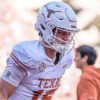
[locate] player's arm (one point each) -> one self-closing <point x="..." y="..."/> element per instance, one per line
<point x="13" y="74"/>
<point x="6" y="89"/>
<point x="10" y="79"/>
<point x="86" y="90"/>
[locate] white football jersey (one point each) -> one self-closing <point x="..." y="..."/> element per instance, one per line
<point x="33" y="73"/>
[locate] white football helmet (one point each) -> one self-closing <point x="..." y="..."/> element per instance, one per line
<point x="60" y="16"/>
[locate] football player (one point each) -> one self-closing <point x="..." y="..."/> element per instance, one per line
<point x="34" y="68"/>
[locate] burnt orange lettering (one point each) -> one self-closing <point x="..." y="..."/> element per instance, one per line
<point x="41" y="80"/>
<point x="46" y="83"/>
<point x="52" y="83"/>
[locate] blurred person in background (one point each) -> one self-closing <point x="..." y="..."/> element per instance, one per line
<point x="34" y="68"/>
<point x="89" y="85"/>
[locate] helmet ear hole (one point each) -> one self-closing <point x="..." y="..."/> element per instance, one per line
<point x="40" y="34"/>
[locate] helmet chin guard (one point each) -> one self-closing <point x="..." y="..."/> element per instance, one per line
<point x="60" y="16"/>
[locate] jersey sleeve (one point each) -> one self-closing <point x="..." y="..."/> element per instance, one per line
<point x="15" y="69"/>
<point x="19" y="55"/>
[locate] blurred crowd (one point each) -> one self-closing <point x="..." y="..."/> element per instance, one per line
<point x="15" y="26"/>
<point x="17" y="19"/>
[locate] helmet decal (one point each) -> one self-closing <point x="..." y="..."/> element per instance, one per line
<point x="50" y="11"/>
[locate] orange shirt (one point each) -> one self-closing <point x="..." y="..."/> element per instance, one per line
<point x="89" y="85"/>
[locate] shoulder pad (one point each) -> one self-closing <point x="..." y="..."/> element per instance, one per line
<point x="19" y="54"/>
